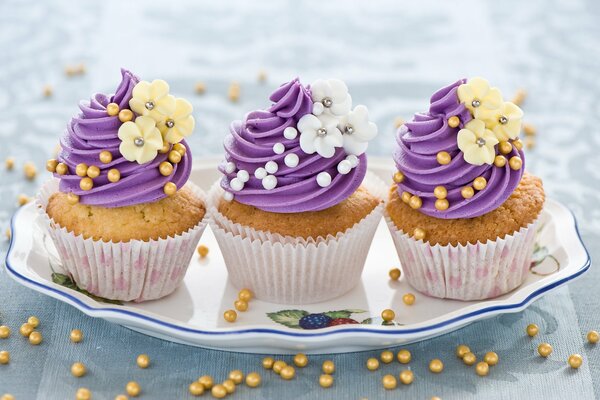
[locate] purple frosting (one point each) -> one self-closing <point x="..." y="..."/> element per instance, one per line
<point x="249" y="145"/>
<point x="418" y="143"/>
<point x="93" y="131"/>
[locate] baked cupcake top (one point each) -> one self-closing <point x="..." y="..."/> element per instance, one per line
<point x="463" y="157"/>
<point x="127" y="148"/>
<point x="306" y="152"/>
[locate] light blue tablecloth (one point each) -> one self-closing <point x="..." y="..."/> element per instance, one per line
<point x="393" y="56"/>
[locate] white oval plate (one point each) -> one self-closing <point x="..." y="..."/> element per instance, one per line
<point x="194" y="313"/>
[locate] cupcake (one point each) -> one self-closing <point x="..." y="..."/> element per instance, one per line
<point x="293" y="214"/>
<point x="119" y="211"/>
<point x="462" y="209"/>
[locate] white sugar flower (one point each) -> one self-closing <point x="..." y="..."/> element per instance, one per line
<point x="179" y="124"/>
<point x="319" y="134"/>
<point x="333" y="95"/>
<point x="152" y="99"/>
<point x="477" y="143"/>
<point x="505" y="121"/>
<point x="357" y="130"/>
<point x="140" y="140"/>
<point x="479" y="97"/>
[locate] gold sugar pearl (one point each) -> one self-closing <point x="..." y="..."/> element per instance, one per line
<point x="112" y="109"/>
<point x="288" y="372"/>
<point x="326" y="381"/>
<point x="236" y="376"/>
<point x="394" y="274"/>
<point x="7" y="396"/>
<point x="407" y="377"/>
<point x="545" y="349"/>
<point x="121" y="397"/>
<point x="372" y="364"/>
<point x="443" y="158"/>
<point x="386" y="357"/>
<point x="165" y="168"/>
<point x="435" y="398"/>
<point x="51" y="165"/>
<point x="76" y="336"/>
<point x="491" y="358"/>
<point x="409" y="299"/>
<point x="328" y="366"/>
<point x="105" y="157"/>
<point x="300" y="360"/>
<point x="504" y="147"/>
<point x="388" y="315"/>
<point x="229" y="385"/>
<point x="419" y="234"/>
<point x="440" y="192"/>
<point x="30" y="170"/>
<point x="278" y="366"/>
<point x="529" y="142"/>
<point x="83" y="394"/>
<point x="4" y="357"/>
<point x="405" y="197"/>
<point x="500" y="161"/>
<point x="479" y="183"/>
<point x="200" y="88"/>
<point x="253" y="379"/>
<point x="7" y="233"/>
<point x="23" y="199"/>
<point x="240" y="305"/>
<point x="4" y="332"/>
<point x="35" y="338"/>
<point x="230" y="315"/>
<point x="218" y="391"/>
<point x="467" y="192"/>
<point x="461" y="350"/>
<point x="398" y="177"/>
<point x="532" y="330"/>
<point x="125" y="115"/>
<point x="515" y="163"/>
<point x="442" y="204"/>
<point x="519" y="97"/>
<point x="592" y="336"/>
<point x="62" y="169"/>
<point x="262" y="75"/>
<point x="482" y="368"/>
<point x="170" y="188"/>
<point x="133" y="389"/>
<point x="81" y="170"/>
<point x="404" y="356"/>
<point x="9" y="163"/>
<point x="143" y="361"/>
<point x="166" y="147"/>
<point x="529" y="130"/>
<point x="47" y="90"/>
<point x="389" y="382"/>
<point x="196" y="389"/>
<point x="234" y="92"/>
<point x="202" y="250"/>
<point x="415" y="202"/>
<point x="26" y="329"/>
<point x="72" y="198"/>
<point x="575" y="361"/>
<point x="245" y="294"/>
<point x="93" y="171"/>
<point x="86" y="183"/>
<point x="398" y="122"/>
<point x="469" y="358"/>
<point x="174" y="157"/>
<point x="267" y="362"/>
<point x="436" y="366"/>
<point x="180" y="148"/>
<point x="78" y="370"/>
<point x="114" y="175"/>
<point x="206" y="381"/>
<point x="453" y="121"/>
<point x="518" y="144"/>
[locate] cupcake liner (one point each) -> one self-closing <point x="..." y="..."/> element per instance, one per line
<point x="128" y="271"/>
<point x="290" y="270"/>
<point x="465" y="272"/>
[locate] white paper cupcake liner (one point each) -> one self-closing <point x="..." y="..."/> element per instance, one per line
<point x="289" y="270"/>
<point x="128" y="271"/>
<point x="465" y="272"/>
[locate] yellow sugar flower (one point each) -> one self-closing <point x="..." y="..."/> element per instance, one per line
<point x="477" y="143"/>
<point x="505" y="121"/>
<point x="140" y="140"/>
<point x="479" y="97"/>
<point x="178" y="124"/>
<point x="152" y="99"/>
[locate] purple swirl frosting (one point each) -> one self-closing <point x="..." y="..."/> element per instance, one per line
<point x="418" y="143"/>
<point x="93" y="131"/>
<point x="250" y="149"/>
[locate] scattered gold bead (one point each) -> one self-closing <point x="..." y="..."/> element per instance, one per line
<point x="133" y="389"/>
<point x="202" y="250"/>
<point x="467" y="192"/>
<point x="479" y="183"/>
<point x="114" y="175"/>
<point x="482" y="368"/>
<point x="389" y="382"/>
<point x="575" y="360"/>
<point x="325" y="381"/>
<point x="419" y="234"/>
<point x="300" y="360"/>
<point x="180" y="148"/>
<point x="4" y="332"/>
<point x="440" y="192"/>
<point x="112" y="109"/>
<point x="288" y="372"/>
<point x="593" y="337"/>
<point x="7" y="233"/>
<point x="78" y="369"/>
<point x="469" y="358"/>
<point x="240" y="305"/>
<point x="200" y="88"/>
<point x="407" y="377"/>
<point x="398" y="122"/>
<point x="267" y="362"/>
<point x="278" y="366"/>
<point x="83" y="394"/>
<point x="461" y="350"/>
<point x="196" y="389"/>
<point x="143" y="361"/>
<point x="234" y="92"/>
<point x="398" y="177"/>
<point x="93" y="171"/>
<point x="51" y="165"/>
<point x="262" y="75"/>
<point x="328" y="366"/>
<point x="388" y="315"/>
<point x="229" y="385"/>
<point x="415" y="202"/>
<point x="23" y="199"/>
<point x="86" y="183"/>
<point x="442" y="204"/>
<point x="76" y="336"/>
<point x="4" y="357"/>
<point x="372" y="364"/>
<point x="453" y="121"/>
<point x="519" y="97"/>
<point x="386" y="357"/>
<point x="517" y="144"/>
<point x="166" y="147"/>
<point x="26" y="329"/>
<point x="529" y="130"/>
<point x="170" y="188"/>
<point x="394" y="274"/>
<point x="230" y="315"/>
<point x="436" y="398"/>
<point x="7" y="396"/>
<point x="504" y="147"/>
<point x="532" y="330"/>
<point x="9" y="163"/>
<point x="443" y="158"/>
<point x="218" y="391"/>
<point x="515" y="163"/>
<point x="236" y="376"/>
<point x="409" y="299"/>
<point x="206" y="381"/>
<point x="544" y="349"/>
<point x="436" y="366"/>
<point x="500" y="161"/>
<point x="253" y="379"/>
<point x="30" y="170"/>
<point x="174" y="157"/>
<point x="35" y="338"/>
<point x="62" y="169"/>
<point x="491" y="358"/>
<point x="47" y="90"/>
<point x="125" y="115"/>
<point x="529" y="142"/>
<point x="121" y="397"/>
<point x="245" y="294"/>
<point x="105" y="157"/>
<point x="405" y="197"/>
<point x="165" y="168"/>
<point x="81" y="170"/>
<point x="404" y="356"/>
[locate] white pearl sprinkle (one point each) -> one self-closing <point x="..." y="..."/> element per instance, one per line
<point x="260" y="173"/>
<point x="291" y="160"/>
<point x="324" y="179"/>
<point x="278" y="148"/>
<point x="243" y="175"/>
<point x="318" y="108"/>
<point x="271" y="167"/>
<point x="344" y="167"/>
<point x="269" y="182"/>
<point x="290" y="133"/>
<point x="353" y="160"/>
<point x="236" y="184"/>
<point x="228" y="196"/>
<point x="229" y="167"/>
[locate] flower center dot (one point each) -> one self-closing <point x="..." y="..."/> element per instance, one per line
<point x="327" y="102"/>
<point x="138" y="141"/>
<point x="170" y="123"/>
<point x="475" y="103"/>
<point x="503" y="120"/>
<point x="149" y="105"/>
<point x="480" y="142"/>
<point x="349" y="129"/>
<point x="321" y="132"/>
